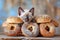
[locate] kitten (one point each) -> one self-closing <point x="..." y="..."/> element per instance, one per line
<point x="26" y="15"/>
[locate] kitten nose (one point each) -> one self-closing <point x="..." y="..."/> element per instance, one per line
<point x="27" y="18"/>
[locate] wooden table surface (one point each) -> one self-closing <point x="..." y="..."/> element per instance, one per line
<point x="21" y="37"/>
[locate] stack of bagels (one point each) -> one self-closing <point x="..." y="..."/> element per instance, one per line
<point x="12" y="26"/>
<point x="44" y="26"/>
<point x="41" y="25"/>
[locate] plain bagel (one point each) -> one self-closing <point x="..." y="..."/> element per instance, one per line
<point x="14" y="20"/>
<point x="43" y="19"/>
<point x="30" y="29"/>
<point x="12" y="30"/>
<point x="47" y="30"/>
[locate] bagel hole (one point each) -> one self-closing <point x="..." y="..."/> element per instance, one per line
<point x="30" y="28"/>
<point x="47" y="28"/>
<point x="12" y="27"/>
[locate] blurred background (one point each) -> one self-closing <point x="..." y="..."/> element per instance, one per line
<point x="10" y="8"/>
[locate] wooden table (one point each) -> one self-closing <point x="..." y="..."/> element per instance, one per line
<point x="4" y="37"/>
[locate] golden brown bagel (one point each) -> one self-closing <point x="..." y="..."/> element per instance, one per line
<point x="43" y="19"/>
<point x="12" y="30"/>
<point x="47" y="30"/>
<point x="14" y="20"/>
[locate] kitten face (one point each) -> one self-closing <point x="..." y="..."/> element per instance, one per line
<point x="26" y="15"/>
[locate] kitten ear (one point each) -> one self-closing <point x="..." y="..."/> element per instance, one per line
<point x="19" y="11"/>
<point x="32" y="11"/>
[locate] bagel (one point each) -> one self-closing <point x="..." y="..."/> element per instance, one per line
<point x="43" y="19"/>
<point x="12" y="30"/>
<point x="47" y="30"/>
<point x="55" y="23"/>
<point x="30" y="29"/>
<point x="14" y="20"/>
